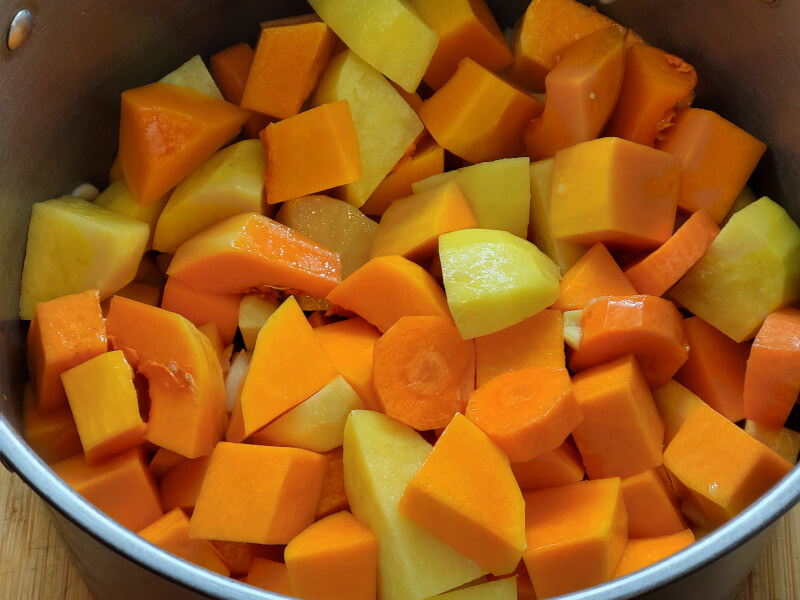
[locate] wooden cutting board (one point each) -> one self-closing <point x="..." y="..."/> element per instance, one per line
<point x="34" y="563"/>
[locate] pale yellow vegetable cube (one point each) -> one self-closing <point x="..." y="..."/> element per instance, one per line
<point x="254" y="310"/>
<point x="501" y="589"/>
<point x="118" y="198"/>
<point x="195" y="75"/>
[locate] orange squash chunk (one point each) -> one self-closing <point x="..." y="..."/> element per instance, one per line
<point x="287" y="367"/>
<point x="239" y="557"/>
<point x="478" y="116"/>
<point x="251" y="251"/>
<point x="715" y="369"/>
<point x="642" y="553"/>
<point x="561" y="466"/>
<point x="64" y="332"/>
<point x="457" y="494"/>
<point x="171" y="532"/>
<point x="576" y="535"/>
<point x="613" y="191"/>
<point x="258" y="494"/>
<point x="167" y="131"/>
<point x="621" y="433"/>
<point x="121" y="487"/>
<point x="349" y="345"/>
<point x="202" y="307"/>
<point x="595" y="274"/>
<point x="163" y="460"/>
<point x="52" y="435"/>
<point x="311" y="152"/>
<point x="653" y="508"/>
<point x="334" y="559"/>
<point x="333" y="497"/>
<point x="535" y="342"/>
<point x="187" y="393"/>
<point x="699" y="456"/>
<point x="649" y="327"/>
<point x="388" y="288"/>
<point x="269" y="575"/>
<point x="582" y="90"/>
<point x="180" y="486"/>
<point x="674" y="403"/>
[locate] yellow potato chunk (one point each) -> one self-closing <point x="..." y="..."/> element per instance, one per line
<point x="254" y="311"/>
<point x="118" y="198"/>
<point x="194" y="74"/>
<point x="501" y="589"/>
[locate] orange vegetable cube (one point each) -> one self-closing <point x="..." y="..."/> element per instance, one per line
<point x="478" y="116"/>
<point x="466" y="28"/>
<point x="334" y="559"/>
<point x="258" y="494"/>
<point x="105" y="406"/>
<point x="288" y="61"/>
<point x="333" y="498"/>
<point x="411" y="226"/>
<point x="167" y="131"/>
<point x="121" y="487"/>
<point x="311" y="152"/>
<point x="163" y="460"/>
<point x="269" y="575"/>
<point x="171" y="532"/>
<point x="287" y="367"/>
<point x="180" y="486"/>
<point x="202" y="307"/>
<point x="538" y="341"/>
<point x="239" y="557"/>
<point x="715" y="369"/>
<point x="595" y="274"/>
<point x="64" y="332"/>
<point x="785" y="442"/>
<point x="561" y="466"/>
<point x="622" y="433"/>
<point x="576" y="535"/>
<point x="699" y="456"/>
<point x="653" y="508"/>
<point x="642" y="553"/>
<point x="456" y="495"/>
<point x="649" y="327"/>
<point x="674" y="403"/>
<point x="772" y="380"/>
<point x="251" y="251"/>
<point x="613" y="191"/>
<point x="717" y="159"/>
<point x="52" y="435"/>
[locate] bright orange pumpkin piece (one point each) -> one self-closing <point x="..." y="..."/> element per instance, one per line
<point x="641" y="553"/>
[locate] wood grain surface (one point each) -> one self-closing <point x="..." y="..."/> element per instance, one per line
<point x="34" y="564"/>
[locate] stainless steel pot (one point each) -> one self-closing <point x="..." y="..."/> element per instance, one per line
<point x="59" y="96"/>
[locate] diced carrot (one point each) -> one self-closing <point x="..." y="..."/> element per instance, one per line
<point x="715" y="369"/>
<point x="388" y="288"/>
<point x="576" y="535"/>
<point x="456" y="494"/>
<point x="187" y="393"/>
<point x="423" y="371"/>
<point x="786" y="442"/>
<point x="283" y="374"/>
<point x="171" y="532"/>
<point x="64" y="332"/>
<point x="121" y="487"/>
<point x="202" y="307"/>
<point x="478" y="116"/>
<point x="105" y="406"/>
<point x="699" y="456"/>
<point x="561" y="466"/>
<point x="526" y="412"/>
<point x="717" y="159"/>
<point x="230" y="68"/>
<point x="251" y="251"/>
<point x="595" y="274"/>
<point x="613" y="191"/>
<point x="648" y="327"/>
<point x="535" y="342"/>
<point x="411" y="226"/>
<point x="333" y="498"/>
<point x="772" y="380"/>
<point x="622" y="433"/>
<point x="654" y="85"/>
<point x="258" y="494"/>
<point x="582" y="90"/>
<point x="288" y="60"/>
<point x="427" y="160"/>
<point x="465" y="28"/>
<point x="349" y="345"/>
<point x="180" y="486"/>
<point x="311" y="152"/>
<point x="269" y="575"/>
<point x="674" y="403"/>
<point x="167" y="131"/>
<point x="53" y="434"/>
<point x="163" y="460"/>
<point x="334" y="559"/>
<point x="653" y="508"/>
<point x="661" y="269"/>
<point x="641" y="553"/>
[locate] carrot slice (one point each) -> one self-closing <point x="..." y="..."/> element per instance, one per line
<point x="526" y="412"/>
<point x="252" y="251"/>
<point x="661" y="269"/>
<point x="423" y="371"/>
<point x="642" y="553"/>
<point x="653" y="508"/>
<point x="558" y="467"/>
<point x="230" y="68"/>
<point x="595" y="274"/>
<point x="203" y="307"/>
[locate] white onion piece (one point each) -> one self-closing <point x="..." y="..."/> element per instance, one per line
<point x="235" y="379"/>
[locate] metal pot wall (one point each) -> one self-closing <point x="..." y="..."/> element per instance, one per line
<point x="59" y="97"/>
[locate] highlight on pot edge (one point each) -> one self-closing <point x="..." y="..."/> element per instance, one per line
<point x="395" y="305"/>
